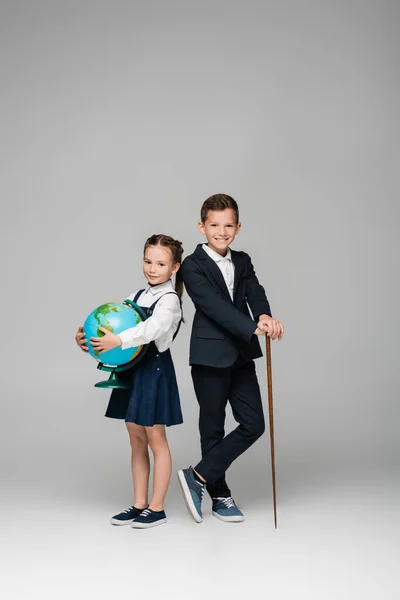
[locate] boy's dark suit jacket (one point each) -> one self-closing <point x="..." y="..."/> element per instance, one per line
<point x="223" y="330"/>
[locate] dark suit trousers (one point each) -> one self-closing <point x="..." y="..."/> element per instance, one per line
<point x="214" y="387"/>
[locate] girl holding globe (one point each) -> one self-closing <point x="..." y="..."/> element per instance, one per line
<point x="152" y="402"/>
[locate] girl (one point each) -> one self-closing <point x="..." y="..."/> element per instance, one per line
<point x="153" y="400"/>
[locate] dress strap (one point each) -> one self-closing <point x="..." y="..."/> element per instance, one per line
<point x="177" y="330"/>
<point x="151" y="309"/>
<point x="137" y="295"/>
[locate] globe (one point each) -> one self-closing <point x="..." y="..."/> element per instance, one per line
<point x="115" y="317"/>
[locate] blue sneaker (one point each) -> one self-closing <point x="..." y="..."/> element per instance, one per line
<point x="226" y="510"/>
<point x="193" y="492"/>
<point x="149" y="518"/>
<point x="126" y="516"/>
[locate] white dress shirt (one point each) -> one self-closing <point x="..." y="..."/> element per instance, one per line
<point x="161" y="325"/>
<point x="225" y="265"/>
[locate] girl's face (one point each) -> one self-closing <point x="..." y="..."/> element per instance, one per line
<point x="158" y="265"/>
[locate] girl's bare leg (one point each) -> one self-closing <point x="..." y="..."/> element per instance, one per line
<point x="140" y="464"/>
<point x="162" y="465"/>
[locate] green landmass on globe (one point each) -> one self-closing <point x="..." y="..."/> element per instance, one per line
<point x="115" y="317"/>
<point x="101" y="313"/>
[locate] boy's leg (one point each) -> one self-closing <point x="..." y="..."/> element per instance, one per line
<point x="211" y="386"/>
<point x="245" y="399"/>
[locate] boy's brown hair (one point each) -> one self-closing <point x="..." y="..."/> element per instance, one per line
<point x="219" y="202"/>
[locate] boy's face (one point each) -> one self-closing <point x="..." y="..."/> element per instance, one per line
<point x="220" y="229"/>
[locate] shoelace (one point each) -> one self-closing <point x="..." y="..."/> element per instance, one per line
<point x="128" y="509"/>
<point x="229" y="502"/>
<point x="145" y="513"/>
<point x="202" y="489"/>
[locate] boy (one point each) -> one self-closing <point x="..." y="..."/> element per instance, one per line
<point x="221" y="283"/>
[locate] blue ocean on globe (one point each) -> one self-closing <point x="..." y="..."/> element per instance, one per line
<point x="115" y="317"/>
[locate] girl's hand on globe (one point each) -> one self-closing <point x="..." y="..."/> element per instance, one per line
<point x="107" y="342"/>
<point x="80" y="339"/>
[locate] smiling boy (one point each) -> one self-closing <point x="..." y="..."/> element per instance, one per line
<point x="222" y="285"/>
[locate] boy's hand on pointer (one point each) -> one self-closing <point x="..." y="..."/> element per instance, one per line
<point x="271" y="327"/>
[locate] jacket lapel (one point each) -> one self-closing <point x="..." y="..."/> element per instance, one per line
<point x="211" y="269"/>
<point x="239" y="264"/>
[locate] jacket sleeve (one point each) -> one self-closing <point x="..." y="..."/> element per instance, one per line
<point x="213" y="305"/>
<point x="255" y="293"/>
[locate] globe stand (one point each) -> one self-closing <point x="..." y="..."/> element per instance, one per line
<point x="113" y="381"/>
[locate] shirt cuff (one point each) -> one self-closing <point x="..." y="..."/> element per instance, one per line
<point x="126" y="339"/>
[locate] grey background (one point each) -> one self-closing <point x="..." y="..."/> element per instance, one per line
<point x="117" y="120"/>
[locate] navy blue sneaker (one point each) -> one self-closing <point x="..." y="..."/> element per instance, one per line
<point x="126" y="516"/>
<point x="226" y="510"/>
<point x="193" y="492"/>
<point x="149" y="518"/>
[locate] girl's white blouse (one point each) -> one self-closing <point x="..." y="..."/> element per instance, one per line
<point x="161" y="325"/>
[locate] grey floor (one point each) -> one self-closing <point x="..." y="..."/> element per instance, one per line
<point x="337" y="538"/>
<point x="65" y="470"/>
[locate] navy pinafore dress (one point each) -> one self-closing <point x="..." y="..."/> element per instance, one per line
<point x="153" y="397"/>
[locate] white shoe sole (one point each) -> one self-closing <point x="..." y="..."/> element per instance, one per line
<point x="188" y="498"/>
<point x="237" y="519"/>
<point x="117" y="522"/>
<point x="147" y="525"/>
